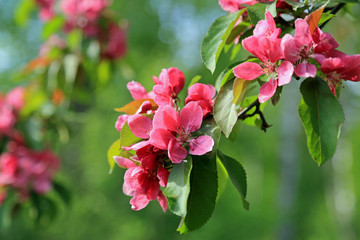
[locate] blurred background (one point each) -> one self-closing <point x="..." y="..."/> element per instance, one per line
<point x="290" y="196"/>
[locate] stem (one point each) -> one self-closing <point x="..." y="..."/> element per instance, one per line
<point x="243" y="114"/>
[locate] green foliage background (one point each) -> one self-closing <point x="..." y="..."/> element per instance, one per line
<point x="290" y="196"/>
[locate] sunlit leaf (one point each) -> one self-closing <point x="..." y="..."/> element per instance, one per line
<point x="178" y="187"/>
<point x="131" y="108"/>
<point x="23" y="11"/>
<point x="114" y="150"/>
<point x="53" y="26"/>
<point x="322" y="117"/>
<point x="194" y="80"/>
<point x="239" y="89"/>
<point x="223" y="176"/>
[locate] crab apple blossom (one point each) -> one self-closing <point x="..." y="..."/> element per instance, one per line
<point x="143" y="182"/>
<point x="24" y="169"/>
<point x="172" y="130"/>
<point x="170" y="82"/>
<point x="137" y="91"/>
<point x="338" y="66"/>
<point x="114" y="44"/>
<point x="203" y="94"/>
<point x="266" y="46"/>
<point x="300" y="48"/>
<point x="46" y="9"/>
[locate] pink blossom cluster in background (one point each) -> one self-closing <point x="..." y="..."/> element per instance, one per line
<point x="10" y="105"/>
<point x="21" y="168"/>
<point x="165" y="132"/>
<point x="280" y="58"/>
<point x="90" y="16"/>
<point x="235" y="5"/>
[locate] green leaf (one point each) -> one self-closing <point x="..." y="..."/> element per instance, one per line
<point x="325" y="17"/>
<point x="209" y="127"/>
<point x="237" y="176"/>
<point x="257" y="11"/>
<point x="322" y="117"/>
<point x="215" y="39"/>
<point x="127" y="138"/>
<point x="294" y="4"/>
<point x="223" y="176"/>
<point x="225" y="113"/>
<point x="103" y="72"/>
<point x="63" y="193"/>
<point x="53" y="26"/>
<point x="23" y="11"/>
<point x="203" y="192"/>
<point x="178" y="187"/>
<point x="194" y="80"/>
<point x="114" y="150"/>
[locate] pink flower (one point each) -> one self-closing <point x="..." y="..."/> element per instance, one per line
<point x="267" y="48"/>
<point x="16" y="98"/>
<point x="339" y="66"/>
<point x="143" y="182"/>
<point x="46" y="9"/>
<point x="171" y="131"/>
<point x="267" y="28"/>
<point x="235" y="5"/>
<point x="115" y="42"/>
<point x="137" y="91"/>
<point x="170" y="82"/>
<point x="300" y="48"/>
<point x="202" y="94"/>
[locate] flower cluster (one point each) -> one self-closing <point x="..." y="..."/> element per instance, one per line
<point x="21" y="168"/>
<point x="94" y="21"/>
<point x="166" y="134"/>
<point x="280" y="58"/>
<point x="235" y="5"/>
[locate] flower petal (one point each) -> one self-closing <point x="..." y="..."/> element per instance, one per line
<point x="285" y="72"/>
<point x="139" y="201"/>
<point x="160" y="138"/>
<point x="305" y="70"/>
<point x="191" y="117"/>
<point x="140" y="125"/>
<point x="121" y="121"/>
<point x="124" y="162"/>
<point x="267" y="90"/>
<point x="248" y="70"/>
<point x="201" y="145"/>
<point x="171" y="119"/>
<point x="162" y="201"/>
<point x="176" y="152"/>
<point x="163" y="176"/>
<point x="136" y="90"/>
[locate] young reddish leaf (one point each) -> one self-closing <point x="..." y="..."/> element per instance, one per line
<point x="39" y="62"/>
<point x="313" y="18"/>
<point x="132" y="107"/>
